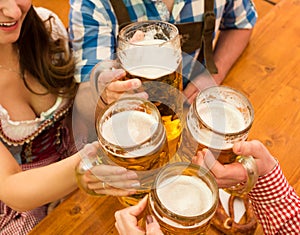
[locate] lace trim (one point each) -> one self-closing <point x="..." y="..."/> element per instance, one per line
<point x="57" y="116"/>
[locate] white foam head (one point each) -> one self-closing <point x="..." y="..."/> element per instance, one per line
<point x="221" y="117"/>
<point x="148" y="40"/>
<point x="185" y="195"/>
<point x="128" y="129"/>
<point x="150" y="54"/>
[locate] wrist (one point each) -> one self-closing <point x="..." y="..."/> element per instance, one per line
<point x="268" y="167"/>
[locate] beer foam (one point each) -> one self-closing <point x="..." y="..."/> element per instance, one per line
<point x="150" y="72"/>
<point x="129" y="128"/>
<point x="148" y="54"/>
<point x="221" y="117"/>
<point x="185" y="195"/>
<point x="149" y="41"/>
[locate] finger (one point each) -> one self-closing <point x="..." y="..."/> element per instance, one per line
<point x="126" y="220"/>
<point x="264" y="160"/>
<point x="209" y="159"/>
<point x="137" y="36"/>
<point x="140" y="207"/>
<point x="199" y="159"/>
<point x="231" y="175"/>
<point x="142" y="95"/>
<point x="107" y="76"/>
<point x="89" y="150"/>
<point x="190" y="90"/>
<point x="226" y="175"/>
<point x="113" y="191"/>
<point x="109" y="171"/>
<point x="135" y="210"/>
<point x="254" y="148"/>
<point x="122" y="86"/>
<point x="191" y="99"/>
<point x="124" y="228"/>
<point x="125" y="184"/>
<point x="125" y="180"/>
<point x="152" y="226"/>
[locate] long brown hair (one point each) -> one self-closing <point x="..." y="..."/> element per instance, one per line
<point x="48" y="60"/>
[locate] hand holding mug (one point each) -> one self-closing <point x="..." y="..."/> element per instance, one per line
<point x="109" y="83"/>
<point x="232" y="174"/>
<point x="127" y="220"/>
<point x="97" y="178"/>
<point x="219" y="117"/>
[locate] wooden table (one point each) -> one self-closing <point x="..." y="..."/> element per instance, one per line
<point x="269" y="74"/>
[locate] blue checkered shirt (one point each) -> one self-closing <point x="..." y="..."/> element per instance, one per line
<point x="94" y="27"/>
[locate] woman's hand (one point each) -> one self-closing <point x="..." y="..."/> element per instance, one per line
<point x="127" y="220"/>
<point x="231" y="174"/>
<point x="100" y="178"/>
<point x="111" y="180"/>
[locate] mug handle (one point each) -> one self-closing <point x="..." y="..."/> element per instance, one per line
<point x="242" y="189"/>
<point x="86" y="164"/>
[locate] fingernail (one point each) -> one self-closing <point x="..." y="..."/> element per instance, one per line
<point x="121" y="170"/>
<point x="136" y="185"/>
<point x="149" y="219"/>
<point x="136" y="84"/>
<point x="143" y="95"/>
<point x="131" y="175"/>
<point x="237" y="147"/>
<point x="131" y="192"/>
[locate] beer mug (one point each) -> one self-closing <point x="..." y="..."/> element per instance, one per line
<point x="151" y="51"/>
<point x="184" y="198"/>
<point x="131" y="133"/>
<point x="219" y="117"/>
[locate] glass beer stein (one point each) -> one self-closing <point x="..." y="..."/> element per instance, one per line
<point x="151" y="51"/>
<point x="131" y="133"/>
<point x="184" y="198"/>
<point x="219" y="117"/>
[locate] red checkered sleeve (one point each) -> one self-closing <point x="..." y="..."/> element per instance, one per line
<point x="276" y="204"/>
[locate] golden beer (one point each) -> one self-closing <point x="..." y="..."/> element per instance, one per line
<point x="219" y="117"/>
<point x="156" y="60"/>
<point x="167" y="99"/>
<point x="132" y="135"/>
<point x="184" y="199"/>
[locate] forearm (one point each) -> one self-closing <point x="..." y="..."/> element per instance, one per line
<point x="276" y="204"/>
<point x="229" y="47"/>
<point x="26" y="190"/>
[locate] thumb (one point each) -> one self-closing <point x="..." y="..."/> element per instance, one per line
<point x="264" y="160"/>
<point x="254" y="148"/>
<point x="152" y="226"/>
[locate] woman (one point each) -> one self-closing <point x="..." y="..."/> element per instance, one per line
<point x="37" y="89"/>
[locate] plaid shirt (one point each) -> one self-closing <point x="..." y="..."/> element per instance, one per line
<point x="94" y="27"/>
<point x="276" y="204"/>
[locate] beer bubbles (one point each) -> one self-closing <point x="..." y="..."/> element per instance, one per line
<point x="151" y="51"/>
<point x="131" y="133"/>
